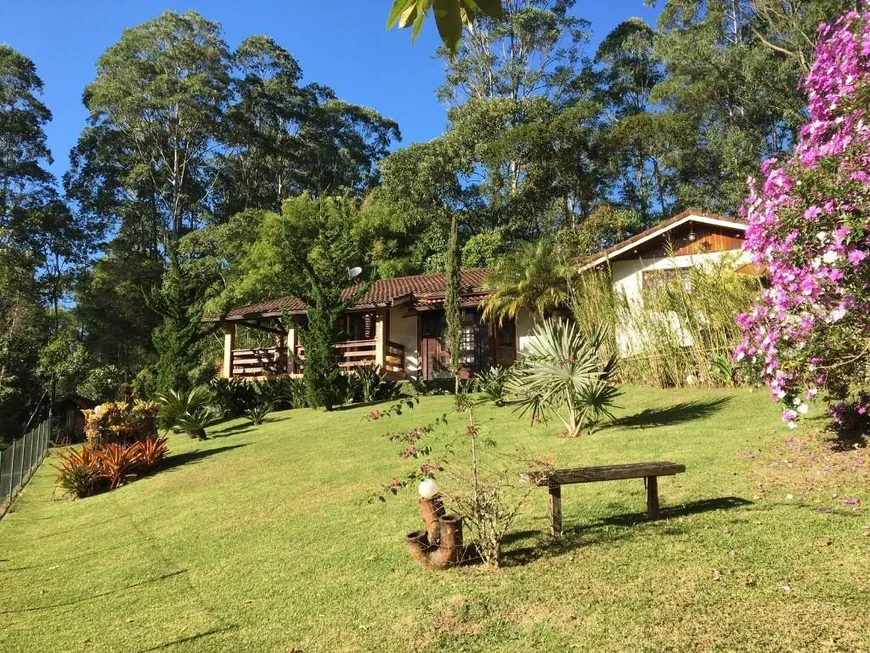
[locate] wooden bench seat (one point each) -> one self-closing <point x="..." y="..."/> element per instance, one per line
<point x="556" y="478"/>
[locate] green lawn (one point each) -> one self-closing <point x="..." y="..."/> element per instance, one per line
<point x="261" y="539"/>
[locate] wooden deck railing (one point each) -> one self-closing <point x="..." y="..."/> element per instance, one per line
<point x="265" y="361"/>
<point x="272" y="361"/>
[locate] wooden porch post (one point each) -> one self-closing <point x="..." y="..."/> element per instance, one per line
<point x="291" y="351"/>
<point x="229" y="345"/>
<point x="381" y="337"/>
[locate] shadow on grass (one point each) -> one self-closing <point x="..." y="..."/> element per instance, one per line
<point x="191" y="638"/>
<point x="98" y="595"/>
<point x="181" y="459"/>
<point x="231" y="430"/>
<point x="686" y="411"/>
<point x="84" y="554"/>
<point x="602" y="531"/>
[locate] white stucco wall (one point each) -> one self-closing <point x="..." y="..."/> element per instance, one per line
<point x="525" y="322"/>
<point x="403" y="331"/>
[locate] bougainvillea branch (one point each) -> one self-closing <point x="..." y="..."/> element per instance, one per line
<point x="808" y="224"/>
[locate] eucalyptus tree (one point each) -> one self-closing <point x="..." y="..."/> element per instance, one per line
<point x="732" y="69"/>
<point x="534" y="47"/>
<point x="164" y="89"/>
<point x="283" y="139"/>
<point x="40" y="242"/>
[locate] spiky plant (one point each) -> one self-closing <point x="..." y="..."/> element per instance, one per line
<point x="565" y="374"/>
<point x="257" y="414"/>
<point x="492" y="384"/>
<point x="196" y="422"/>
<point x="175" y="404"/>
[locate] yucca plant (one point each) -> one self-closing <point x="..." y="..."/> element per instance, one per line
<point x="196" y="422"/>
<point x="565" y="374"/>
<point x="257" y="414"/>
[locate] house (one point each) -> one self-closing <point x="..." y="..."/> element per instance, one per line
<point x="399" y="325"/>
<point x="666" y="252"/>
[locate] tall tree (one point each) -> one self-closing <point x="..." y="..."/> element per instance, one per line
<point x="164" y="88"/>
<point x="732" y="68"/>
<point x="284" y="139"/>
<point x="533" y="48"/>
<point x="453" y="303"/>
<point x="39" y="241"/>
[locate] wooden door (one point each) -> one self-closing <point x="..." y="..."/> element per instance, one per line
<point x="431" y="351"/>
<point x="504" y="343"/>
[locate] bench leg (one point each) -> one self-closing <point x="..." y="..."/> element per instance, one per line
<point x="555" y="510"/>
<point x="652" y="496"/>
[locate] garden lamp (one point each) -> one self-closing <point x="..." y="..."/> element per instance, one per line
<point x="428" y="488"/>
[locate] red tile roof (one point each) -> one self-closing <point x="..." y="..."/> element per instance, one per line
<point x="420" y="288"/>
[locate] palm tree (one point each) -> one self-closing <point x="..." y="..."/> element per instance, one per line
<point x="532" y="277"/>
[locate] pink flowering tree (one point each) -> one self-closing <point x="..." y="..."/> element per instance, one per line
<point x="809" y="219"/>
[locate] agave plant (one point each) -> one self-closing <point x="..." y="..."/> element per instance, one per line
<point x="257" y="414"/>
<point x="565" y="374"/>
<point x="195" y="423"/>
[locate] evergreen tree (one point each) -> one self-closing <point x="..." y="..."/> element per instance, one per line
<point x="453" y="303"/>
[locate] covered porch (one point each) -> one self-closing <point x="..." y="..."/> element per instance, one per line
<point x="368" y="343"/>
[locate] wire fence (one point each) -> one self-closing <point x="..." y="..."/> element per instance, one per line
<point x="19" y="462"/>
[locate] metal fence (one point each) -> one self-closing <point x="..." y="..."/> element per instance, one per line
<point x="19" y="461"/>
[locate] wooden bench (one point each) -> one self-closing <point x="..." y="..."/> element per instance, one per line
<point x="556" y="478"/>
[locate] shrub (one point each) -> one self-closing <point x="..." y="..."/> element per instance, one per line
<point x="492" y="383"/>
<point x="851" y="419"/>
<point x="232" y="396"/>
<point x="809" y="224"/>
<point x="258" y="413"/>
<point x="116" y="462"/>
<point x="566" y="372"/>
<point x="90" y="469"/>
<point x="676" y="330"/>
<point x="120" y="423"/>
<point x="369" y="383"/>
<point x="150" y="452"/>
<point x="78" y="474"/>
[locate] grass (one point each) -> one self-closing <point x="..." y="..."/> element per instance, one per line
<point x="261" y="539"/>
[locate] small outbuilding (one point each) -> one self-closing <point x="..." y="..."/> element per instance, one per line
<point x="67" y="415"/>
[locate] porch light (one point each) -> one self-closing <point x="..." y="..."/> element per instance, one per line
<point x="691" y="231"/>
<point x="428" y="488"/>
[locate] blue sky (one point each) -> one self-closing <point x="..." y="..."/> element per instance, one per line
<point x="339" y="43"/>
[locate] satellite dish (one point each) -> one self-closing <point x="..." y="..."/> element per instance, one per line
<point x="353" y="273"/>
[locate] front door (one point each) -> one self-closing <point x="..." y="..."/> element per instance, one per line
<point x="504" y="341"/>
<point x="432" y="355"/>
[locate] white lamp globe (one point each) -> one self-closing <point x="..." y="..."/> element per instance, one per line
<point x="428" y="488"/>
